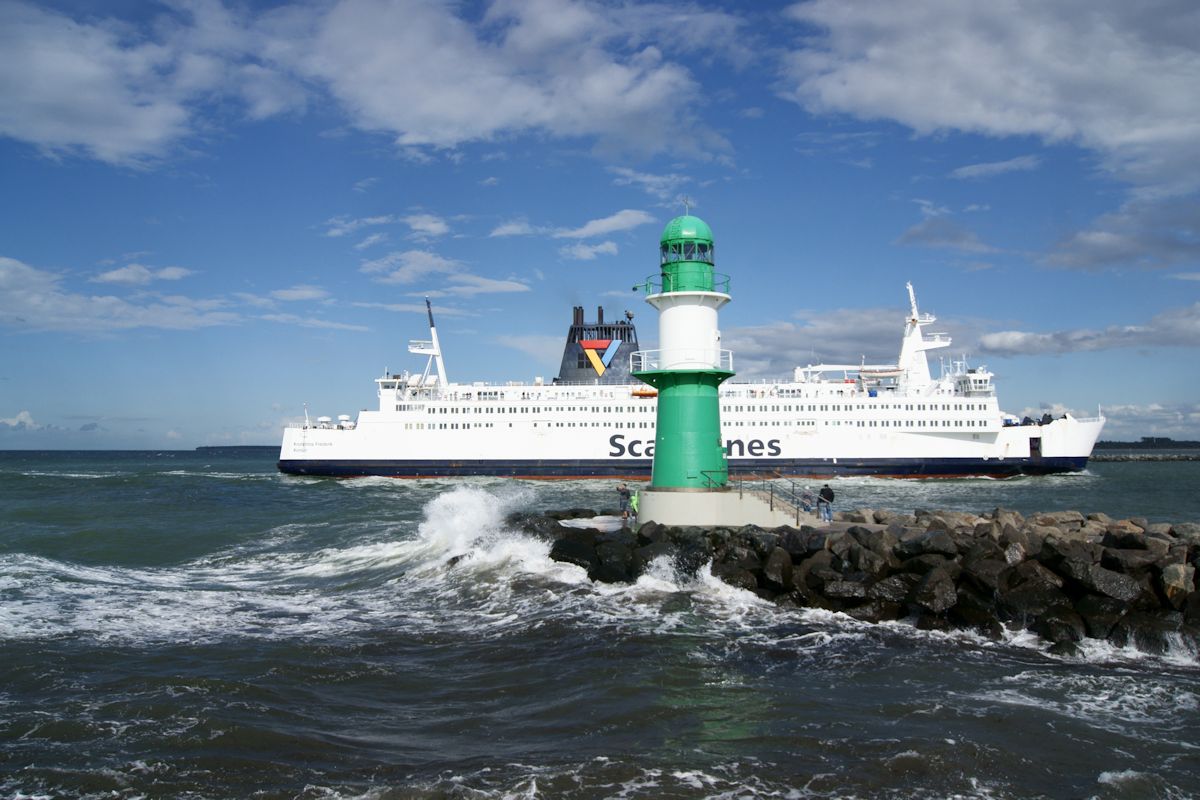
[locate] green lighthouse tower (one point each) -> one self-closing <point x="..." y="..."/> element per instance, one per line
<point x="689" y="364"/>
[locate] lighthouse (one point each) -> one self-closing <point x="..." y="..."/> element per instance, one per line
<point x="689" y="364"/>
<point x="688" y="483"/>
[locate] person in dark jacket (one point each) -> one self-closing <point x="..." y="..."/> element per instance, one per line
<point x="623" y="494"/>
<point x="825" y="503"/>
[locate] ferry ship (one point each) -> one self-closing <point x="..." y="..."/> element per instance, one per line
<point x="595" y="420"/>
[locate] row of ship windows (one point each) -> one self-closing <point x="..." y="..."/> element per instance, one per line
<point x="804" y="423"/>
<point x="527" y="409"/>
<point x="732" y="409"/>
<point x="860" y="407"/>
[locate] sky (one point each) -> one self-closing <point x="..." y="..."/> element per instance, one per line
<point x="215" y="213"/>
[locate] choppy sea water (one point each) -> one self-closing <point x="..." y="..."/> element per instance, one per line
<point x="198" y="625"/>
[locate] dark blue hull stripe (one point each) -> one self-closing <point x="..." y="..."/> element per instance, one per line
<point x="640" y="468"/>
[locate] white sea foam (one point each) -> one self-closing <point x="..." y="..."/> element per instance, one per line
<point x="1130" y="703"/>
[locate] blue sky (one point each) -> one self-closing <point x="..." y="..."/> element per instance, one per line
<point x="215" y="212"/>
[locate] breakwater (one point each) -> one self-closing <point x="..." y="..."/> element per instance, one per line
<point x="1062" y="575"/>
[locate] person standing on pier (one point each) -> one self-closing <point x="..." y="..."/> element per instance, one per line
<point x="825" y="503"/>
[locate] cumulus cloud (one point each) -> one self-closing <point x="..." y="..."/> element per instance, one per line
<point x="1130" y="422"/>
<point x="623" y="220"/>
<point x="426" y="226"/>
<point x="1177" y="327"/>
<point x="664" y="187"/>
<point x="34" y="299"/>
<point x="1141" y="234"/>
<point x="467" y="285"/>
<point x="1105" y="76"/>
<point x="987" y="170"/>
<point x="410" y="266"/>
<point x="430" y="77"/>
<point x="588" y="252"/>
<point x="105" y="89"/>
<point x="138" y="274"/>
<point x="842" y="336"/>
<point x="22" y="421"/>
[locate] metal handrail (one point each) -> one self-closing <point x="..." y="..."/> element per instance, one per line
<point x="654" y="285"/>
<point x="784" y="491"/>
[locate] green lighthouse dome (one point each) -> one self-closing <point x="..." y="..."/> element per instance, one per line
<point x="687" y="227"/>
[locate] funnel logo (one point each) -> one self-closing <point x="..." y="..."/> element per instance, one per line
<point x="600" y="352"/>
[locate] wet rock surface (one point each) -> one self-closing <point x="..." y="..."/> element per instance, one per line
<point x="1063" y="575"/>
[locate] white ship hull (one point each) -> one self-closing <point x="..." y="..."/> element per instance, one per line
<point x="893" y="420"/>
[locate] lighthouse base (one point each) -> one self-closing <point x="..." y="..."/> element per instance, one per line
<point x="719" y="508"/>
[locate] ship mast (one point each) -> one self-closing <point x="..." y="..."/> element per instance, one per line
<point x="431" y="348"/>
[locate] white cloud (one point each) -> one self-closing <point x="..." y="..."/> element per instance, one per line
<point x="515" y="227"/>
<point x="454" y="280"/>
<point x="426" y="226"/>
<point x="373" y="239"/>
<point x="1140" y="234"/>
<point x="431" y="78"/>
<point x="139" y="274"/>
<point x="987" y="170"/>
<point x="464" y="284"/>
<point x="664" y="187"/>
<point x="930" y="208"/>
<point x="365" y="184"/>
<point x="1130" y="422"/>
<point x="429" y="75"/>
<point x="342" y="225"/>
<point x="841" y="336"/>
<point x="300" y="292"/>
<point x="1105" y="75"/>
<point x="33" y="299"/>
<point x="1176" y="327"/>
<point x="491" y="180"/>
<point x="70" y="87"/>
<point x="1186" y="276"/>
<point x="409" y="265"/>
<point x="621" y="221"/>
<point x="588" y="252"/>
<point x="22" y="421"/>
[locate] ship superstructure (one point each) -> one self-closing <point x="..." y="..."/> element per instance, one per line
<point x="595" y="420"/>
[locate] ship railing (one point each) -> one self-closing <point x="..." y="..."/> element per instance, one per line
<point x="681" y="358"/>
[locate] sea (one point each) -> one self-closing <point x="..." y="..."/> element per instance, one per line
<point x="198" y="625"/>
